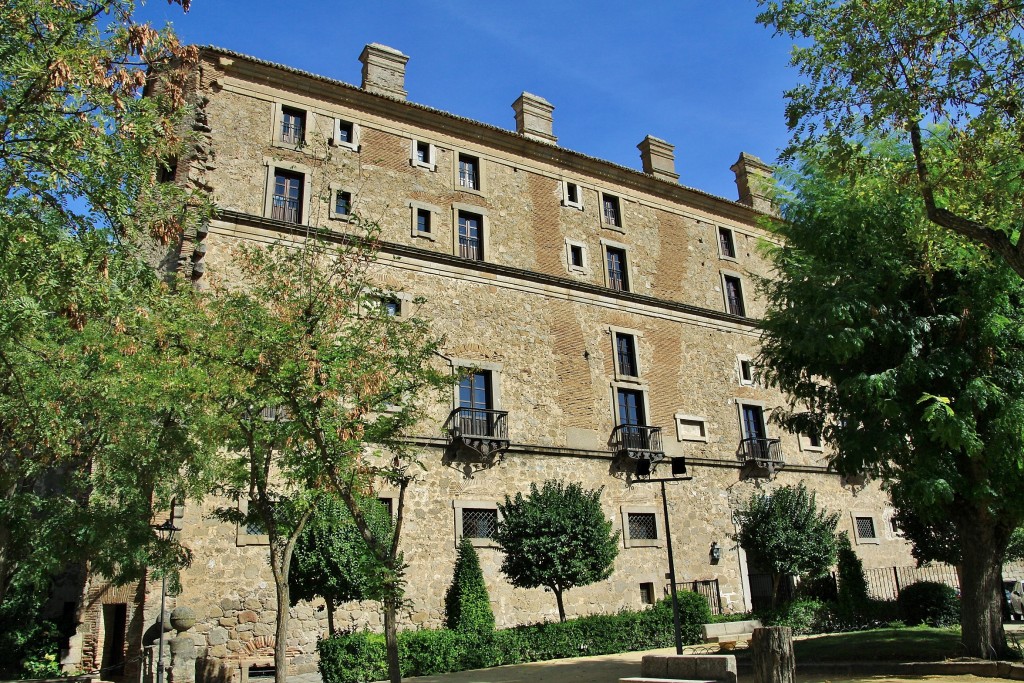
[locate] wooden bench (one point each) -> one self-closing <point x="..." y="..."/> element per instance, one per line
<point x="728" y="633"/>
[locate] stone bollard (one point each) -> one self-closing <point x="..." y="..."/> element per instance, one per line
<point x="183" y="648"/>
<point x="772" y="653"/>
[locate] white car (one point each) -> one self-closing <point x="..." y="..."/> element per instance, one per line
<point x="1014" y="591"/>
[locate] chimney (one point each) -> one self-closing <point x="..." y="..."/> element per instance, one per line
<point x="533" y="118"/>
<point x="658" y="159"/>
<point x="384" y="71"/>
<point x="754" y="181"/>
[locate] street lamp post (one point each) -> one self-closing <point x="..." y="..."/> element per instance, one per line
<point x="678" y="474"/>
<point x="165" y="532"/>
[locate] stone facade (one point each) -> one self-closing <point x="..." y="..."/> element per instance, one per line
<point x="538" y="312"/>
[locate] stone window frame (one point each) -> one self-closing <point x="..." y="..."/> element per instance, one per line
<point x="405" y="300"/>
<point x="275" y="125"/>
<point x="888" y="515"/>
<point x="605" y="243"/>
<point x="804" y="441"/>
<point x="637" y="335"/>
<point x="431" y="163"/>
<point x="489" y="366"/>
<point x="681" y="419"/>
<point x="620" y="203"/>
<point x="732" y="236"/>
<point x="244" y="538"/>
<point x="355" y="144"/>
<point x="480" y="175"/>
<point x="335" y="188"/>
<point x="644" y="390"/>
<point x="861" y="540"/>
<point x="742" y="358"/>
<point x="485" y="227"/>
<point x="723" y="274"/>
<point x="459" y="506"/>
<point x="626" y="510"/>
<point x="740" y="402"/>
<point x="306" y="172"/>
<point x="435" y="211"/>
<point x="578" y="204"/>
<point x="582" y="269"/>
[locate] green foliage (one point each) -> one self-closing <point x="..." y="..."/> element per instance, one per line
<point x="28" y="643"/>
<point x="557" y="537"/>
<point x="926" y="602"/>
<point x="467" y="606"/>
<point x="784" y="532"/>
<point x="804" y="616"/>
<point x="358" y="656"/>
<point x="853" y="585"/>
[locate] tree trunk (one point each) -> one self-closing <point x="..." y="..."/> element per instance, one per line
<point x="391" y="640"/>
<point x="281" y="634"/>
<point x="330" y="617"/>
<point x="558" y="599"/>
<point x="772" y="653"/>
<point x="776" y="582"/>
<point x="981" y="593"/>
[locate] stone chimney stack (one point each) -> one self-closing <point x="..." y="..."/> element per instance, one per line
<point x="658" y="159"/>
<point x="533" y="118"/>
<point x="754" y="181"/>
<point x="384" y="71"/>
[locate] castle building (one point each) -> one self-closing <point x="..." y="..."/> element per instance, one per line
<point x="610" y="315"/>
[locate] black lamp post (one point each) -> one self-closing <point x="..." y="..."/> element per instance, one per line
<point x="165" y="532"/>
<point x="643" y="472"/>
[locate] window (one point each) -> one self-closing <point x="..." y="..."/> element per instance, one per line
<point x="344" y="133"/>
<point x="571" y="195"/>
<point x="166" y="170"/>
<point x="753" y="422"/>
<point x="641" y="526"/>
<point x="469" y="172"/>
<point x="647" y="593"/>
<point x="422" y="155"/>
<point x="726" y="243"/>
<point x="391" y="306"/>
<point x="476" y="520"/>
<point x="423" y="226"/>
<point x="611" y="211"/>
<point x="691" y="428"/>
<point x="864" y="528"/>
<point x="293" y="126"/>
<point x="625" y="355"/>
<point x="576" y="257"/>
<point x="630" y="406"/>
<point x="286" y="201"/>
<point x="475" y="391"/>
<point x="388" y="503"/>
<point x="618" y="274"/>
<point x="746" y="370"/>
<point x="470" y="236"/>
<point x="813" y="441"/>
<point x="342" y="203"/>
<point x="252" y="532"/>
<point x="733" y="287"/>
<point x="423" y="216"/>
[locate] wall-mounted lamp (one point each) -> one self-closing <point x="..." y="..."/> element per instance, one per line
<point x="716" y="552"/>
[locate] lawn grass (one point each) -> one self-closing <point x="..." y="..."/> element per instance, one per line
<point x="916" y="644"/>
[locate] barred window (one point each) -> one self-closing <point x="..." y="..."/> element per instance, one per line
<point x="642" y="526"/>
<point x="865" y="527"/>
<point x="479" y="523"/>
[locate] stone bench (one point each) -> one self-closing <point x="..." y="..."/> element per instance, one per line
<point x="685" y="669"/>
<point x="728" y="633"/>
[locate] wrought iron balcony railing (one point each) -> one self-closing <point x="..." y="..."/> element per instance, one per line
<point x="762" y="452"/>
<point x="284" y="209"/>
<point x="639" y="442"/>
<point x="485" y="431"/>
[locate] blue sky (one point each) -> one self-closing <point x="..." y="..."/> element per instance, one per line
<point x="697" y="73"/>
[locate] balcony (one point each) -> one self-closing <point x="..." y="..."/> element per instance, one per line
<point x="484" y="432"/>
<point x="762" y="454"/>
<point x="638" y="442"/>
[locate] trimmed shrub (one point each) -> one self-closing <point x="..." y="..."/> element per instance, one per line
<point x="927" y="602"/>
<point x="853" y="586"/>
<point x="353" y="657"/>
<point x="803" y="616"/>
<point x="466" y="604"/>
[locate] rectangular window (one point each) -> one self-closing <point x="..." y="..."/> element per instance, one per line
<point x="470" y="236"/>
<point x="391" y="306"/>
<point x="286" y="201"/>
<point x="342" y="203"/>
<point x="746" y="371"/>
<point x="618" y="277"/>
<point x="814" y="439"/>
<point x="625" y="354"/>
<point x="630" y="406"/>
<point x="647" y="593"/>
<point x="479" y="522"/>
<point x="293" y="125"/>
<point x="576" y="256"/>
<point x="423" y="153"/>
<point x="345" y="133"/>
<point x="571" y="195"/>
<point x="388" y="504"/>
<point x="726" y="244"/>
<point x="166" y="170"/>
<point x="611" y="210"/>
<point x="734" y="295"/>
<point x="865" y="527"/>
<point x="753" y="422"/>
<point x="423" y="221"/>
<point x="469" y="172"/>
<point x="643" y="526"/>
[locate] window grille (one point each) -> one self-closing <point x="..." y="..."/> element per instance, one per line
<point x="726" y="243"/>
<point x="865" y="527"/>
<point x="479" y="523"/>
<point x="642" y="526"/>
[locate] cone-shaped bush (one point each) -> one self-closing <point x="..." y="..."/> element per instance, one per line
<point x="467" y="605"/>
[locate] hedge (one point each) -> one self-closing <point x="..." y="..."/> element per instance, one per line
<point x="927" y="602"/>
<point x="356" y="657"/>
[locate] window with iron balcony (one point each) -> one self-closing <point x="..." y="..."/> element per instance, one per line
<point x="286" y="201"/>
<point x="471" y="244"/>
<point x="293" y="126"/>
<point x="618" y="274"/>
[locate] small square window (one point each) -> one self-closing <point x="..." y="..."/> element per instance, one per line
<point x="479" y="522"/>
<point x="423" y="226"/>
<point x="571" y="195"/>
<point x="866" y="527"/>
<point x="293" y="126"/>
<point x="734" y="295"/>
<point x="391" y="306"/>
<point x="726" y="243"/>
<point x="342" y="203"/>
<point x="423" y="219"/>
<point x="647" y="593"/>
<point x="814" y="440"/>
<point x="643" y="526"/>
<point x="388" y="503"/>
<point x="575" y="256"/>
<point x="611" y="211"/>
<point x="469" y="172"/>
<point x="422" y="155"/>
<point x="346" y="134"/>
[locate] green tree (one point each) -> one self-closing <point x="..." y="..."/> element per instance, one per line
<point x="467" y="607"/>
<point x="101" y="421"/>
<point x="911" y="69"/>
<point x="331" y="559"/>
<point x="557" y="537"/>
<point x="904" y="346"/>
<point x="784" y="532"/>
<point x="321" y="384"/>
<point x="853" y="585"/>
